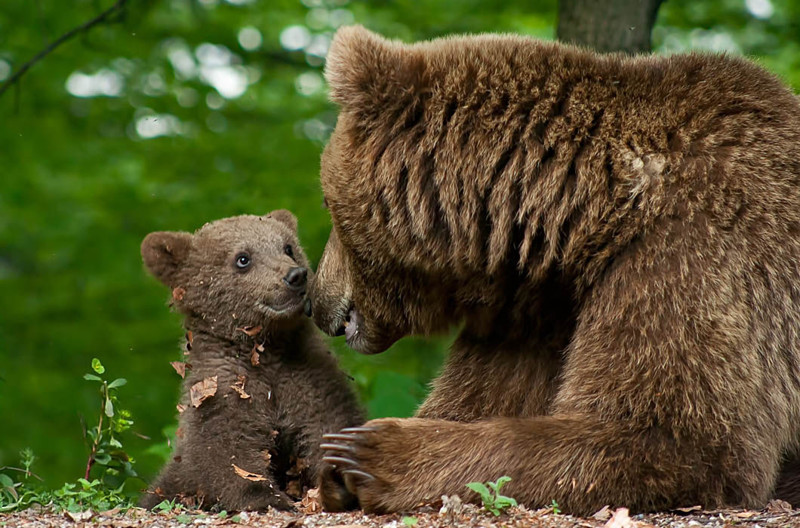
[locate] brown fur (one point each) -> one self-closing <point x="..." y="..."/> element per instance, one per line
<point x="620" y="238"/>
<point x="296" y="392"/>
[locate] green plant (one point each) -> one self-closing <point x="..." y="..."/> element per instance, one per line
<point x="86" y="495"/>
<point x="554" y="507"/>
<point x="105" y="447"/>
<point x="105" y="452"/>
<point x="410" y="521"/>
<point x="490" y="495"/>
<point x="16" y="494"/>
<point x="168" y="506"/>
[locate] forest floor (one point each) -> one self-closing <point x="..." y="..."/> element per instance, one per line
<point x="460" y="516"/>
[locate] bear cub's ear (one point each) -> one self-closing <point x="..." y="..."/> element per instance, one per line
<point x="285" y="217"/>
<point x="164" y="252"/>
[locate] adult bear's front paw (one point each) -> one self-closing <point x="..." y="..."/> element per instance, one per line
<point x="374" y="464"/>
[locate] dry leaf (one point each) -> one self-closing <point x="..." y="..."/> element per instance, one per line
<point x="267" y="456"/>
<point x="80" y="516"/>
<point x="603" y="514"/>
<point x="181" y="407"/>
<point x="620" y="519"/>
<point x="178" y="293"/>
<point x="310" y="503"/>
<point x="180" y="367"/>
<point x="745" y="514"/>
<point x="779" y="506"/>
<point x="254" y="360"/>
<point x="202" y="390"/>
<point x="689" y="509"/>
<point x="239" y="386"/>
<point x="294" y="489"/>
<point x="253" y="477"/>
<point x="250" y="330"/>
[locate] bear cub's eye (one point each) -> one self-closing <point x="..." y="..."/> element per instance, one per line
<point x="243" y="261"/>
<point x="288" y="250"/>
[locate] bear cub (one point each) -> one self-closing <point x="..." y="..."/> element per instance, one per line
<point x="260" y="387"/>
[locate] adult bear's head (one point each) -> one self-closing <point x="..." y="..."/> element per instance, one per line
<point x="384" y="272"/>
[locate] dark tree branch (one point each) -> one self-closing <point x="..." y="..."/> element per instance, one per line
<point x="83" y="28"/>
<point x="608" y="25"/>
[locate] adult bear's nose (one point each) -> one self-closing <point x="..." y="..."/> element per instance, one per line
<point x="296" y="278"/>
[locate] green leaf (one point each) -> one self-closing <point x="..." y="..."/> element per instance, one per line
<point x="164" y="506"/>
<point x="97" y="366"/>
<point x="6" y="481"/>
<point x="109" y="408"/>
<point x="91" y="377"/>
<point x="504" y="502"/>
<point x="410" y="521"/>
<point x="119" y="382"/>
<point x="480" y="489"/>
<point x="502" y="481"/>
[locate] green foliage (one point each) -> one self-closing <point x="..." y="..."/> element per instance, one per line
<point x="168" y="506"/>
<point x="105" y="447"/>
<point x="554" y="507"/>
<point x="15" y="494"/>
<point x="489" y="492"/>
<point x="87" y="495"/>
<point x="410" y="521"/>
<point x="78" y="496"/>
<point x="106" y="453"/>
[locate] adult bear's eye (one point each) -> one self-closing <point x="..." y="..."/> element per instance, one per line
<point x="243" y="261"/>
<point x="288" y="250"/>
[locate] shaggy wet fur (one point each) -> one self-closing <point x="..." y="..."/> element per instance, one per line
<point x="266" y="418"/>
<point x="620" y="238"/>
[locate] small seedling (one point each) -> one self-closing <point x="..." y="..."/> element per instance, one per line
<point x="554" y="507"/>
<point x="490" y="495"/>
<point x="105" y="447"/>
<point x="168" y="506"/>
<point x="410" y="521"/>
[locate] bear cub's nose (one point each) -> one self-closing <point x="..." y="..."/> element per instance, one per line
<point x="296" y="278"/>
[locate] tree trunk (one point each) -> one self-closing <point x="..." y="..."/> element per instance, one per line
<point x="608" y="25"/>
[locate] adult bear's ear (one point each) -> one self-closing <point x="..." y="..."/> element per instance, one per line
<point x="164" y="252"/>
<point x="364" y="69"/>
<point x="285" y="217"/>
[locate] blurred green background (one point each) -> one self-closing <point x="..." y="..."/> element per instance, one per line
<point x="184" y="111"/>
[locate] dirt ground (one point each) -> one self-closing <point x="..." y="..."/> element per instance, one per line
<point x="457" y="515"/>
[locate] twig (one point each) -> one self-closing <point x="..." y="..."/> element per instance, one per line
<point x="27" y="472"/>
<point x="83" y="28"/>
<point x="90" y="461"/>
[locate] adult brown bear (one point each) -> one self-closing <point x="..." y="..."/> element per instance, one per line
<point x="619" y="238"/>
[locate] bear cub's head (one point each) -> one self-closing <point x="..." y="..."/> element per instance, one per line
<point x="238" y="272"/>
